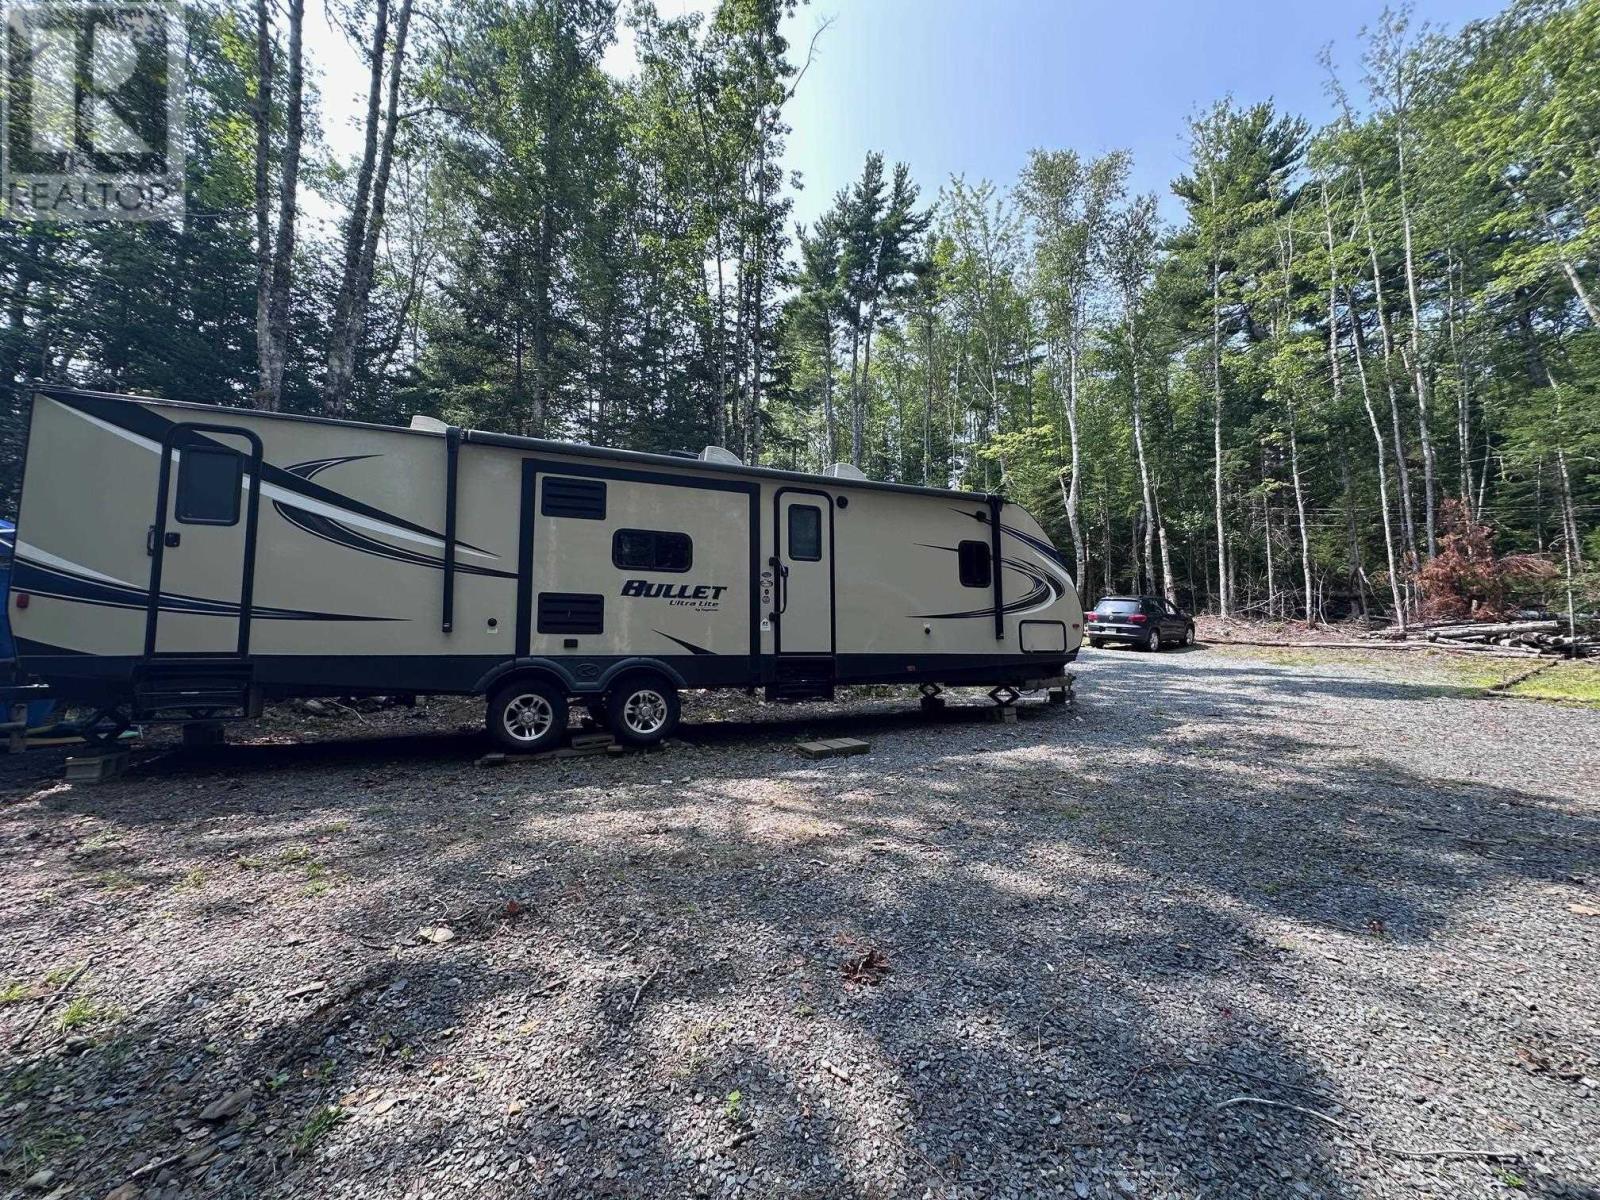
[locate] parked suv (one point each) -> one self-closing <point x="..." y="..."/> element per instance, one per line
<point x="1146" y="621"/>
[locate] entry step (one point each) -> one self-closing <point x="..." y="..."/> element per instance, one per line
<point x="833" y="748"/>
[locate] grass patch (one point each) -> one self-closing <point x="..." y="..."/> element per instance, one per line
<point x="1572" y="682"/>
<point x="294" y="855"/>
<point x="82" y="1012"/>
<point x="116" y="880"/>
<point x="14" y="992"/>
<point x="194" y="878"/>
<point x="38" y="1149"/>
<point x="323" y="1122"/>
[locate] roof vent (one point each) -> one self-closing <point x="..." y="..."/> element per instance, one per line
<point x="428" y="424"/>
<point x="716" y="454"/>
<point x="845" y="471"/>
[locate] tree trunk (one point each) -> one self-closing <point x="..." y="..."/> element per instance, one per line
<point x="1080" y="552"/>
<point x="1453" y="270"/>
<point x="274" y="352"/>
<point x="366" y="217"/>
<point x="261" y="114"/>
<point x="1167" y="588"/>
<point x="857" y="427"/>
<point x="1366" y="397"/>
<point x="1300" y="510"/>
<point x="1408" y="521"/>
<point x="1223" y="578"/>
<point x="1418" y="365"/>
<point x="828" y="418"/>
<point x="1144" y="468"/>
<point x="1383" y="475"/>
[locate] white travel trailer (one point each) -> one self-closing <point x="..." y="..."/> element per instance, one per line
<point x="184" y="562"/>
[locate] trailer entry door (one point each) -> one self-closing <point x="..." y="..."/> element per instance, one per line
<point x="805" y="572"/>
<point x="201" y="543"/>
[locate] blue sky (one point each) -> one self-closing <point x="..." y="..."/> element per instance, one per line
<point x="970" y="86"/>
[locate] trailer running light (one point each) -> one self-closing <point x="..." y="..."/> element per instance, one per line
<point x="22" y="599"/>
<point x="1138" y="618"/>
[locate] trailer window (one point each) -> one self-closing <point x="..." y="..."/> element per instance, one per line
<point x="805" y="533"/>
<point x="974" y="565"/>
<point x="582" y="498"/>
<point x="209" y="478"/>
<point x="651" y="550"/>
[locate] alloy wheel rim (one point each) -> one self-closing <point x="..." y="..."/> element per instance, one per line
<point x="645" y="711"/>
<point x="529" y="717"/>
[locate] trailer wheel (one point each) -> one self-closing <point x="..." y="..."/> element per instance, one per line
<point x="643" y="710"/>
<point x="527" y="715"/>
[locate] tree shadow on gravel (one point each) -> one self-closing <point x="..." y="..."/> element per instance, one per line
<point x="1093" y="931"/>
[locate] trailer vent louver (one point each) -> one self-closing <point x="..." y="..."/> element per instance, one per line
<point x="571" y="612"/>
<point x="583" y="498"/>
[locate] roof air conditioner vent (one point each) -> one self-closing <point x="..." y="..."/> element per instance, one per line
<point x="428" y="424"/>
<point x="716" y="454"/>
<point x="844" y="471"/>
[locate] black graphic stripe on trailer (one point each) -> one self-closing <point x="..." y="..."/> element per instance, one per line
<point x="40" y="580"/>
<point x="145" y="423"/>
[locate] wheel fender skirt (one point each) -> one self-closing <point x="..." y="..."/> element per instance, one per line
<point x="580" y="676"/>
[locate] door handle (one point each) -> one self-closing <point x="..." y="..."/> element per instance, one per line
<point x="150" y="542"/>
<point x="783" y="590"/>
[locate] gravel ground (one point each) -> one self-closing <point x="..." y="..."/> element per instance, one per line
<point x="1046" y="958"/>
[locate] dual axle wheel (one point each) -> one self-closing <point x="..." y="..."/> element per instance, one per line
<point x="528" y="715"/>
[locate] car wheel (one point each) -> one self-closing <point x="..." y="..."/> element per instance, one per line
<point x="1153" y="644"/>
<point x="1188" y="635"/>
<point x="1097" y="644"/>
<point x="527" y="715"/>
<point x="643" y="711"/>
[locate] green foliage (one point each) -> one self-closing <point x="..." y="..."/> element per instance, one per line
<point x="585" y="256"/>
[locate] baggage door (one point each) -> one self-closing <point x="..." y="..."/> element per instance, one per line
<point x="201" y="542"/>
<point x="805" y="582"/>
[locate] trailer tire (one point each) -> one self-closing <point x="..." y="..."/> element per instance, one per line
<point x="527" y="715"/>
<point x="642" y="710"/>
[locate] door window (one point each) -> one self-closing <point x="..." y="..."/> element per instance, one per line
<point x="209" y="479"/>
<point x="805" y="533"/>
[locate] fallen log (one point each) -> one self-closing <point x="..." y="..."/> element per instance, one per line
<point x="1506" y="629"/>
<point x="1445" y="647"/>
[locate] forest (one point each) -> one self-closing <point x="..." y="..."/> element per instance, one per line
<point x="1357" y="378"/>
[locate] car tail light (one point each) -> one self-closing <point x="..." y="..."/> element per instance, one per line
<point x="1138" y="618"/>
<point x="1091" y="616"/>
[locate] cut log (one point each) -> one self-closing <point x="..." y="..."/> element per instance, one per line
<point x="1492" y="631"/>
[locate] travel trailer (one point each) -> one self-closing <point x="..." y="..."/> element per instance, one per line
<point x="185" y="562"/>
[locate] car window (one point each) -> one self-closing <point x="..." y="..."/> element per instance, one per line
<point x="1110" y="607"/>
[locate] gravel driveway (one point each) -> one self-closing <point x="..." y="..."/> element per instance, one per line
<point x="1225" y="928"/>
